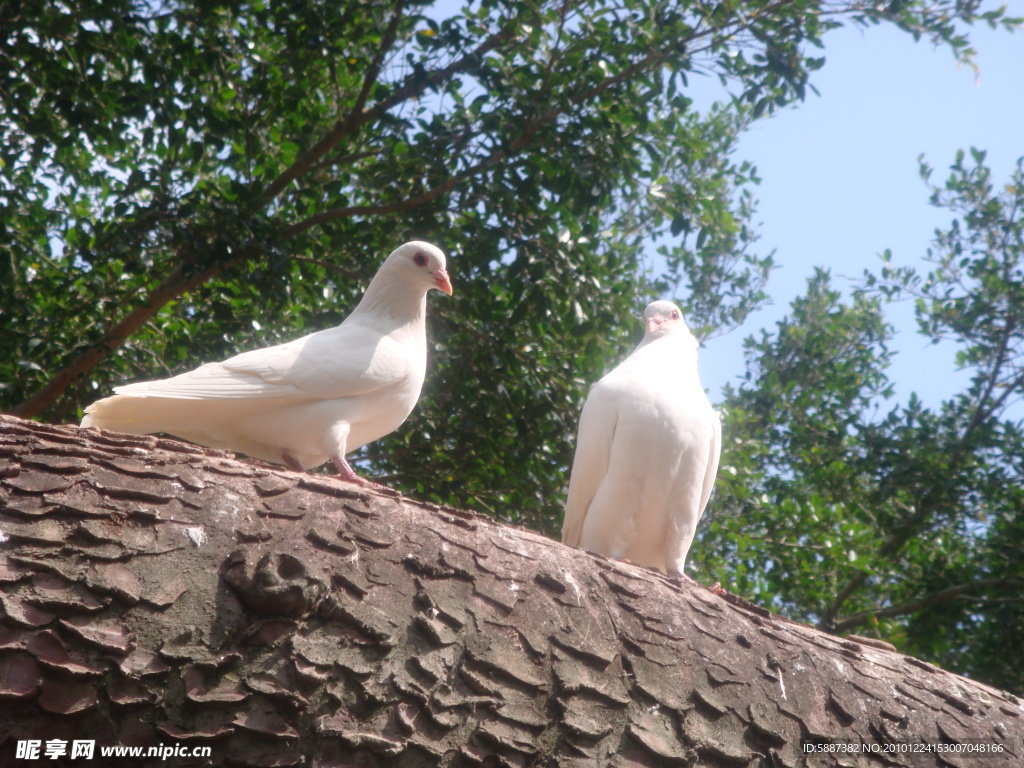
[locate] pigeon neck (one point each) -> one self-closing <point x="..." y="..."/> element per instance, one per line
<point x="674" y="345"/>
<point x="396" y="305"/>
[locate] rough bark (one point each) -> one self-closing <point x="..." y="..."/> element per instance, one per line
<point x="153" y="592"/>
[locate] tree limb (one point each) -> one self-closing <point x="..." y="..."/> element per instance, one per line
<point x="173" y="286"/>
<point x="913" y="606"/>
<point x="153" y="590"/>
<point x="342" y="128"/>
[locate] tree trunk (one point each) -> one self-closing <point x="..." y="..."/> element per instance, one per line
<point x="155" y="593"/>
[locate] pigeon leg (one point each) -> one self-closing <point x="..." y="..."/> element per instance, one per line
<point x="346" y="473"/>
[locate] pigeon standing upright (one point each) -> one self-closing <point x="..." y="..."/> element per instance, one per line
<point x="647" y="452"/>
<point x="311" y="399"/>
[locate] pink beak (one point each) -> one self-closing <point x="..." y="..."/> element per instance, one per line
<point x="443" y="283"/>
<point x="654" y="323"/>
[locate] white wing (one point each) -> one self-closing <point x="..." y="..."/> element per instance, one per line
<point x="339" y="362"/>
<point x="713" y="457"/>
<point x="590" y="465"/>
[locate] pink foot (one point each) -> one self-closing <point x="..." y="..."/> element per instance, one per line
<point x="680" y="576"/>
<point x="346" y="473"/>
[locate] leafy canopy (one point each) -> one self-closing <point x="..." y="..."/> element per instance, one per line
<point x="903" y="523"/>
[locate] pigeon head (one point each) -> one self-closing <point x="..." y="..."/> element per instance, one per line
<point x="399" y="289"/>
<point x="419" y="263"/>
<point x="663" y="318"/>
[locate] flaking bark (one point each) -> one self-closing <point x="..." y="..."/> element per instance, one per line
<point x="154" y="592"/>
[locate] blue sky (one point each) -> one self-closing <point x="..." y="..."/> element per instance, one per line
<point x="840" y="182"/>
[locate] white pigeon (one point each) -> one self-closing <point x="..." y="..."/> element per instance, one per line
<point x="647" y="452"/>
<point x="312" y="399"/>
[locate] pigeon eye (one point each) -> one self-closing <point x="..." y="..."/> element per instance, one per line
<point x="420" y="259"/>
<point x="675" y="315"/>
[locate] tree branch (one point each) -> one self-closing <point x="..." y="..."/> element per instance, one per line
<point x="416" y="84"/>
<point x="403" y="205"/>
<point x="263" y="634"/>
<point x="921" y="603"/>
<point x="173" y="286"/>
<point x="342" y="128"/>
<point x="983" y="409"/>
<point x="414" y="87"/>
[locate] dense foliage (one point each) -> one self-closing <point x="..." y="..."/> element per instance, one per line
<point x="905" y="523"/>
<point x="183" y="180"/>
